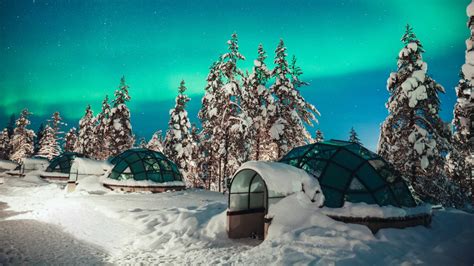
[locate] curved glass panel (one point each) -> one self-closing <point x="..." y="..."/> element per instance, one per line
<point x="349" y="172"/>
<point x="144" y="164"/>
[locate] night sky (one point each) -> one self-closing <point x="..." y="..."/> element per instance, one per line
<point x="63" y="55"/>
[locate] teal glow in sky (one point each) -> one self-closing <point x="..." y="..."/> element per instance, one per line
<point x="63" y="55"/>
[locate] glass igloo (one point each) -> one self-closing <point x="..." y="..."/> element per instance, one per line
<point x="349" y="172"/>
<point x="144" y="168"/>
<point x="62" y="163"/>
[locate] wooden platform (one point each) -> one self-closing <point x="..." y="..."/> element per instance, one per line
<point x="375" y="224"/>
<point x="152" y="189"/>
<point x="55" y="178"/>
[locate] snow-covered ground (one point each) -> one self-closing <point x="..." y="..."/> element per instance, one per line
<point x="94" y="225"/>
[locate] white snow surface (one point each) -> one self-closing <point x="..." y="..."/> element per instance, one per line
<point x="31" y="164"/>
<point x="364" y="210"/>
<point x="189" y="227"/>
<point x="284" y="179"/>
<point x="7" y="165"/>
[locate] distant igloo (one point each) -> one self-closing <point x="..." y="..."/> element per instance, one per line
<point x="143" y="170"/>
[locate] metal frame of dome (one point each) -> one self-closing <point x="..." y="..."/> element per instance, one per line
<point x="347" y="171"/>
<point x="144" y="164"/>
<point x="62" y="162"/>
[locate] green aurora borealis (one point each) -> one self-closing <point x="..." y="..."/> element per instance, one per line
<point x="62" y="55"/>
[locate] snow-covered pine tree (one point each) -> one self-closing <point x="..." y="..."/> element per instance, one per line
<point x="22" y="139"/>
<point x="193" y="169"/>
<point x="293" y="112"/>
<point x="5" y="146"/>
<point x="413" y="137"/>
<point x="231" y="132"/>
<point x="296" y="72"/>
<point x="119" y="136"/>
<point x="86" y="141"/>
<point x="39" y="136"/>
<point x="48" y="145"/>
<point x="178" y="146"/>
<point x="259" y="106"/>
<point x="354" y="137"/>
<point x="156" y="142"/>
<point x="70" y="140"/>
<point x="209" y="163"/>
<point x="319" y="137"/>
<point x="460" y="160"/>
<point x="101" y="131"/>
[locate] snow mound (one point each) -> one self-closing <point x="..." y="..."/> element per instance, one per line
<point x="90" y="185"/>
<point x="364" y="210"/>
<point x="85" y="166"/>
<point x="31" y="164"/>
<point x="140" y="183"/>
<point x="284" y="179"/>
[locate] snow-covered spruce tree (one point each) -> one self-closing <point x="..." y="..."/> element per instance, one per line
<point x="259" y="106"/>
<point x="319" y="137"/>
<point x="232" y="129"/>
<point x="70" y="140"/>
<point x="293" y="112"/>
<point x="49" y="146"/>
<point x="178" y="144"/>
<point x="193" y="168"/>
<point x="353" y="137"/>
<point x="39" y="136"/>
<point x="49" y="143"/>
<point x="210" y="123"/>
<point x="5" y="146"/>
<point x="22" y="138"/>
<point x="101" y="131"/>
<point x="156" y="142"/>
<point x="119" y="135"/>
<point x="86" y="141"/>
<point x="460" y="160"/>
<point x="413" y="137"/>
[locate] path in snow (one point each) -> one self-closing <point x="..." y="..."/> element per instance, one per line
<point x="33" y="242"/>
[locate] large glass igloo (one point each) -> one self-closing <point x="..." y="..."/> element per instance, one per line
<point x="349" y="172"/>
<point x="143" y="169"/>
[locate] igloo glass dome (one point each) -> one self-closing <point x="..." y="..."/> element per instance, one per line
<point x="63" y="162"/>
<point x="349" y="172"/>
<point x="142" y="165"/>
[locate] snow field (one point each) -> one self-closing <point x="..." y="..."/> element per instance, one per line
<point x="189" y="227"/>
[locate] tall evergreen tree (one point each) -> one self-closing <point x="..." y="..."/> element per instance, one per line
<point x="70" y="140"/>
<point x="210" y="122"/>
<point x="49" y="146"/>
<point x="460" y="160"/>
<point x="101" y="131"/>
<point x="178" y="146"/>
<point x="413" y="137"/>
<point x="142" y="143"/>
<point x="156" y="142"/>
<point x="353" y="137"/>
<point x="293" y="112"/>
<point x="259" y="105"/>
<point x="120" y="137"/>
<point x="193" y="168"/>
<point x="86" y="141"/>
<point x="5" y="146"/>
<point x="22" y="140"/>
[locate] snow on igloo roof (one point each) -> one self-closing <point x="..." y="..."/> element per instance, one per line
<point x="349" y="172"/>
<point x="144" y="165"/>
<point x="283" y="179"/>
